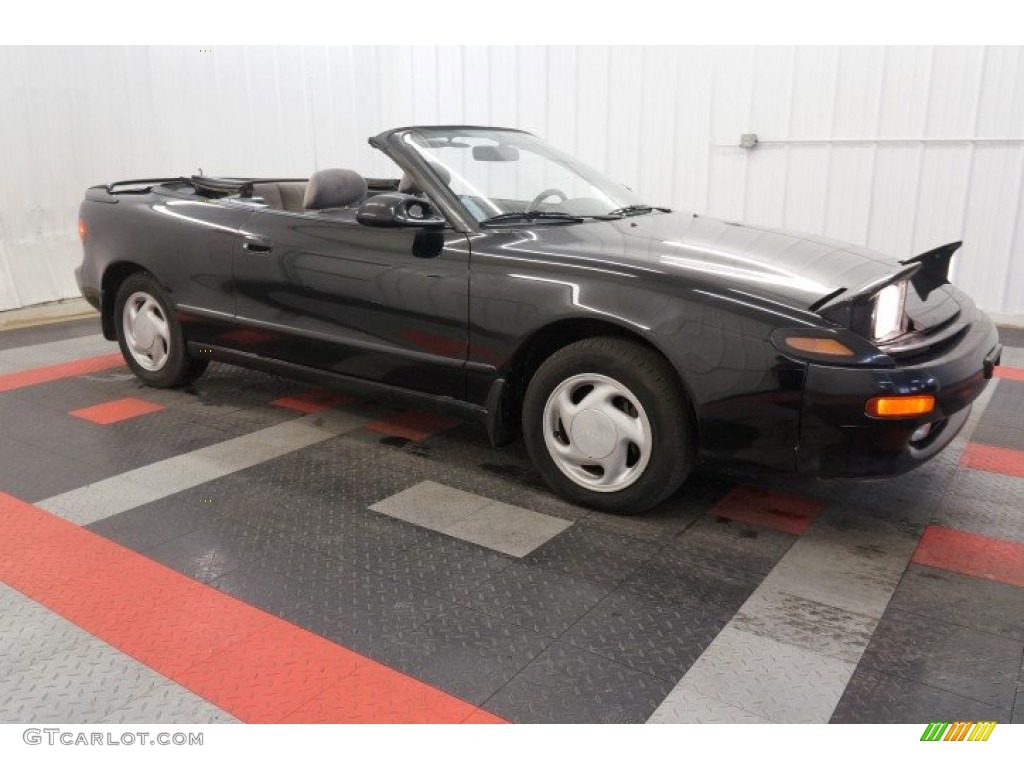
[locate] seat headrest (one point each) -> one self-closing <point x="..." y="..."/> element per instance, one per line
<point x="408" y="185"/>
<point x="333" y="188"/>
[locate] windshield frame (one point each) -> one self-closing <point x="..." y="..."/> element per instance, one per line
<point x="397" y="144"/>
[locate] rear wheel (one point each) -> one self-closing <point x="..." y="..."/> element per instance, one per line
<point x="150" y="337"/>
<point x="608" y="425"/>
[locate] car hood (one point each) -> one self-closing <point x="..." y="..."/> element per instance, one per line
<point x="797" y="269"/>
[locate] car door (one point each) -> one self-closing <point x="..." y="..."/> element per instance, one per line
<point x="382" y="304"/>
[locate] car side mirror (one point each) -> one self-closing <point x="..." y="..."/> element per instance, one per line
<point x="394" y="209"/>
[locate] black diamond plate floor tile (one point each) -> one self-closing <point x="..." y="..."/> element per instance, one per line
<point x="967" y="662"/>
<point x="963" y="600"/>
<point x="569" y="685"/>
<point x="593" y="553"/>
<point x="465" y="653"/>
<point x="287" y="578"/>
<point x="881" y="697"/>
<point x="666" y="578"/>
<point x="214" y="549"/>
<point x="439" y="564"/>
<point x="653" y="636"/>
<point x="366" y="611"/>
<point x="674" y="515"/>
<point x="22" y="475"/>
<point x="538" y="599"/>
<point x="117" y="447"/>
<point x="730" y="548"/>
<point x="716" y="563"/>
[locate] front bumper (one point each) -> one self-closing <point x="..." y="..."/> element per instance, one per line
<point x="838" y="439"/>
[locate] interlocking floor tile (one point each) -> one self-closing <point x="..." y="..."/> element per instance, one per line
<point x="541" y="600"/>
<point x="972" y="555"/>
<point x="787" y="512"/>
<point x="467" y="653"/>
<point x="116" y="410"/>
<point x="569" y="685"/>
<point x="412" y="425"/>
<point x="964" y="661"/>
<point x="964" y="600"/>
<point x="650" y="635"/>
<point x="777" y="681"/>
<point x="594" y="553"/>
<point x="882" y="697"/>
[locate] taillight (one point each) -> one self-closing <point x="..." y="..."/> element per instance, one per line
<point x="82" y="230"/>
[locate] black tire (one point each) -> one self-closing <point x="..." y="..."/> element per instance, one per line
<point x="651" y="380"/>
<point x="178" y="369"/>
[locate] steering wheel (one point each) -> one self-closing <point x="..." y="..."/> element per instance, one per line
<point x="535" y="203"/>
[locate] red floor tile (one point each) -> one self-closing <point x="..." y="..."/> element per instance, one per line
<point x="785" y="512"/>
<point x="971" y="554"/>
<point x="1004" y="372"/>
<point x="48" y="373"/>
<point x="116" y="410"/>
<point x="376" y="694"/>
<point x="991" y="458"/>
<point x="252" y="664"/>
<point x="412" y="425"/>
<point x="313" y="401"/>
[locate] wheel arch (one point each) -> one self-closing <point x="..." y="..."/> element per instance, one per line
<point x="544" y="342"/>
<point x="113" y="276"/>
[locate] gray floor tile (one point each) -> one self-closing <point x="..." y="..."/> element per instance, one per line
<point x="169" y="704"/>
<point x="776" y="681"/>
<point x="508" y="529"/>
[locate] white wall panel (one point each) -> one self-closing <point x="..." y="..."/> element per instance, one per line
<point x="899" y="148"/>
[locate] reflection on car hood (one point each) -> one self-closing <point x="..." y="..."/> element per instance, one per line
<point x="796" y="269"/>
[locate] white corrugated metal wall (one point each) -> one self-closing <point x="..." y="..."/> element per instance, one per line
<point x="901" y="149"/>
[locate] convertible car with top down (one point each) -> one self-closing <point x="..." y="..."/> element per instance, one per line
<point x="504" y="282"/>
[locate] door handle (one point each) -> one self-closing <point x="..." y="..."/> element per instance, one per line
<point x="257" y="244"/>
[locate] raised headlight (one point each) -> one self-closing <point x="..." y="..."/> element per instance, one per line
<point x="888" y="319"/>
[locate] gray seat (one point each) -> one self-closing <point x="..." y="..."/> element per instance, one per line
<point x="333" y="188"/>
<point x="281" y="195"/>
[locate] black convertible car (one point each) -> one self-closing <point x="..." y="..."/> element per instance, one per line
<point x="505" y="282"/>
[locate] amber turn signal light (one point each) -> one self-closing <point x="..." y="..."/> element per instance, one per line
<point x="819" y="346"/>
<point x="898" y="406"/>
<point x="81" y="230"/>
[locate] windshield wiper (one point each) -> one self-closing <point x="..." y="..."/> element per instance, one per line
<point x="502" y="218"/>
<point x="631" y="210"/>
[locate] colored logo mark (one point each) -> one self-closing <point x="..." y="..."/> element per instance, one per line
<point x="959" y="731"/>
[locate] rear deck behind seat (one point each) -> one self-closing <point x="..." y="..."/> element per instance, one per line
<point x="282" y="195"/>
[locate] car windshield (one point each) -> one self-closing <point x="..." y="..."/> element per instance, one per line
<point x="508" y="177"/>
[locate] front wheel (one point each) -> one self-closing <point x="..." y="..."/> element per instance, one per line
<point x="150" y="337"/>
<point x="608" y="426"/>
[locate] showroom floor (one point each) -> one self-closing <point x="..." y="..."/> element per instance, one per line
<point x="251" y="549"/>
